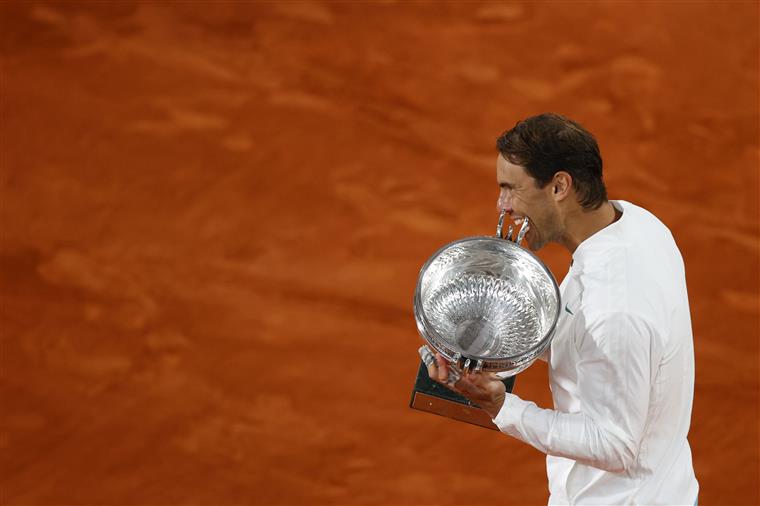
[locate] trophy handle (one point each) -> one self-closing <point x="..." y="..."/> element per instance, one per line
<point x="500" y="229"/>
<point x="500" y="224"/>
<point x="523" y="231"/>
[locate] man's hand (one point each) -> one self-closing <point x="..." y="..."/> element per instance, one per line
<point x="484" y="389"/>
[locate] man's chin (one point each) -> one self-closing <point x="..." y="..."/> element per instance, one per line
<point x="533" y="245"/>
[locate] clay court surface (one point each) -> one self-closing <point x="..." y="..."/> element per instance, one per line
<point x="213" y="216"/>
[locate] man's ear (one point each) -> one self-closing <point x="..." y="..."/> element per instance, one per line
<point x="562" y="185"/>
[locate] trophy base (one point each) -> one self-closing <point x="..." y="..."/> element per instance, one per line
<point x="433" y="397"/>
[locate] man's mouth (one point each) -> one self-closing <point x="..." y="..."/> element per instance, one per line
<point x="518" y="223"/>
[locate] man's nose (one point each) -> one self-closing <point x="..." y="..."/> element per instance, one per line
<point x="504" y="201"/>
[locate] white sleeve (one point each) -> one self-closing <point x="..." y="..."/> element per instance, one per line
<point x="613" y="385"/>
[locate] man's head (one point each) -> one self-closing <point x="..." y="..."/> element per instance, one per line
<point x="548" y="168"/>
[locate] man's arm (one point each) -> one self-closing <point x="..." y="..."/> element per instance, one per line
<point x="613" y="383"/>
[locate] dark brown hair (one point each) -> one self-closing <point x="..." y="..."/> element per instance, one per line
<point x="549" y="143"/>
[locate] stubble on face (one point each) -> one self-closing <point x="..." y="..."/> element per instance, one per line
<point x="522" y="197"/>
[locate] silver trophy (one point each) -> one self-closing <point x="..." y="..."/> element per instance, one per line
<point x="485" y="304"/>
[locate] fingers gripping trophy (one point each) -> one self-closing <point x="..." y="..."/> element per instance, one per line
<point x="487" y="309"/>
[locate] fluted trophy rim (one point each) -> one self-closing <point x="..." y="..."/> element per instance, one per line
<point x="512" y="363"/>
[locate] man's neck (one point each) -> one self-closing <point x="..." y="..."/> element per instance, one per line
<point x="580" y="224"/>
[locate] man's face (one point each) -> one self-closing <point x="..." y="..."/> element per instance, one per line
<point x="522" y="198"/>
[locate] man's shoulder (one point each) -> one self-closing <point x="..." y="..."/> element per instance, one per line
<point x="627" y="280"/>
<point x="638" y="217"/>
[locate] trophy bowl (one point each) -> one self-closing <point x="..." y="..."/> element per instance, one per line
<point x="486" y="303"/>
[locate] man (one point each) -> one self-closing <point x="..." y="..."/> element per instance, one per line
<point x="621" y="364"/>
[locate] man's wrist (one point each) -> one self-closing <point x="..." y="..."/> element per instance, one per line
<point x="495" y="406"/>
<point x="498" y="394"/>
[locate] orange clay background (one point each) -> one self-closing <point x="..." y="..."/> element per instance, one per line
<point x="214" y="214"/>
